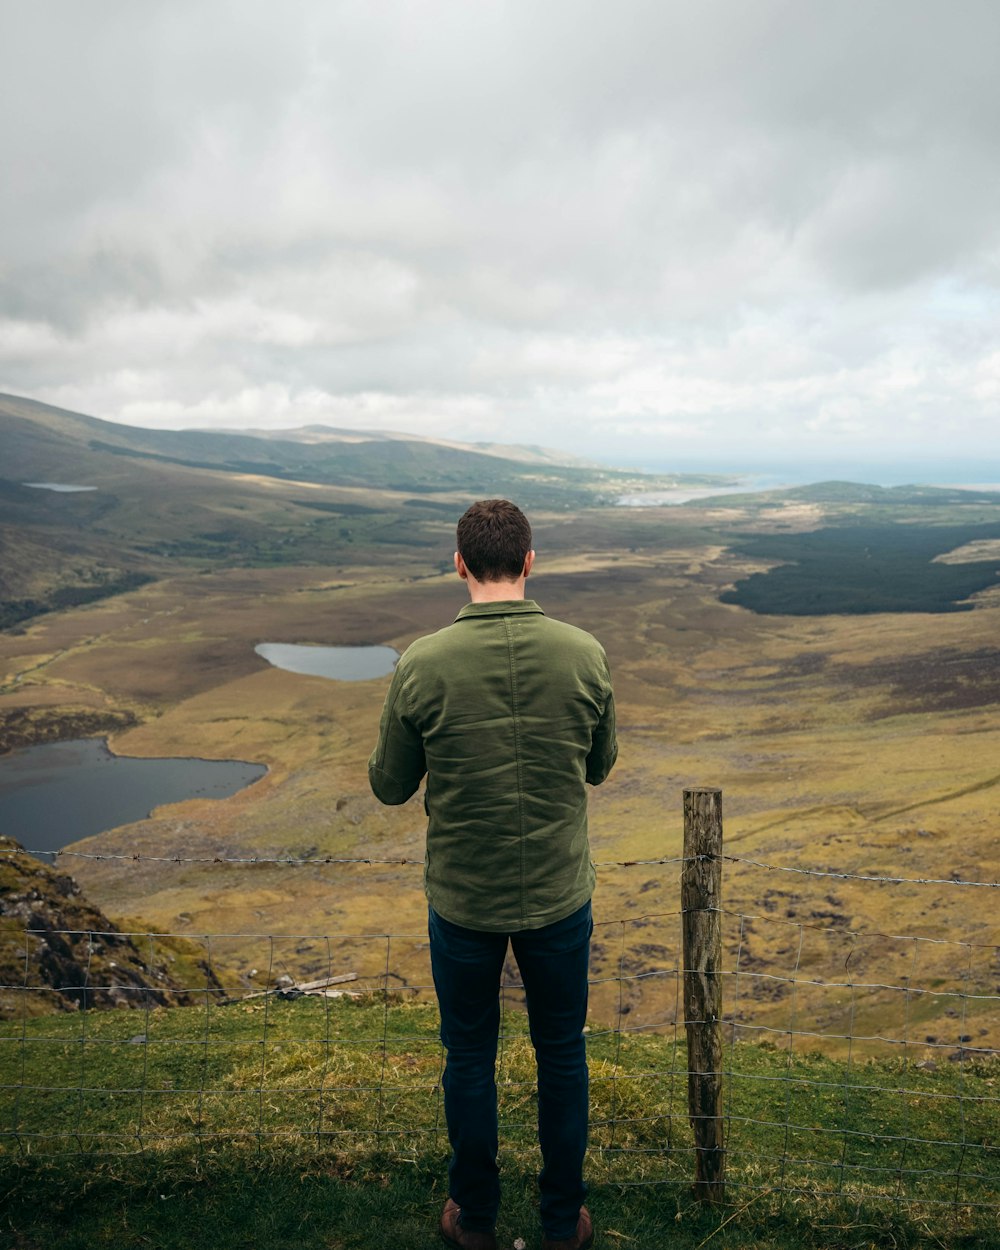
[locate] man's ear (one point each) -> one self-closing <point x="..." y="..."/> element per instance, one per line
<point x="460" y="568"/>
<point x="529" y="560"/>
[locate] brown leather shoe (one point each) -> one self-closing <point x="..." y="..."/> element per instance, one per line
<point x="464" y="1238"/>
<point x="581" y="1239"/>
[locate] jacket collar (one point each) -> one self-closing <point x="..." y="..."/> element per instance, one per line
<point x="502" y="607"/>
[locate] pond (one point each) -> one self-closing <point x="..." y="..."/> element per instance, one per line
<point x="681" y="494"/>
<point x="63" y="487"/>
<point x="53" y="794"/>
<point x="338" y="663"/>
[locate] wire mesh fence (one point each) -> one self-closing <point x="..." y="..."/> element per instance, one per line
<point x="856" y="1064"/>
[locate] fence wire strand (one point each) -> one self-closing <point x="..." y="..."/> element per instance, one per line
<point x="290" y="861"/>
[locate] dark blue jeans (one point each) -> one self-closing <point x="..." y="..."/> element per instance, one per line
<point x="553" y="962"/>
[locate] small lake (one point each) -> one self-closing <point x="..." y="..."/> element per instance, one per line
<point x="338" y="663"/>
<point x="680" y="494"/>
<point x="64" y="488"/>
<point x="53" y="794"/>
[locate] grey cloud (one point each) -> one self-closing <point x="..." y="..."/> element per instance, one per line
<point x="450" y="199"/>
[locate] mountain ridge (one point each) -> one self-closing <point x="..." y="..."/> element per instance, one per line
<point x="299" y="445"/>
<point x="200" y="498"/>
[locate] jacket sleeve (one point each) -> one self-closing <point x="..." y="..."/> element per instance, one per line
<point x="604" y="743"/>
<point x="397" y="764"/>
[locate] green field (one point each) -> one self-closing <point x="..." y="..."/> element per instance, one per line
<point x="319" y="1122"/>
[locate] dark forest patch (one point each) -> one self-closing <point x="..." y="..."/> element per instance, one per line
<point x="856" y="569"/>
<point x="15" y="611"/>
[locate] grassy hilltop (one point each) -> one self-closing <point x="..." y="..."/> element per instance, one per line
<point x="292" y="1124"/>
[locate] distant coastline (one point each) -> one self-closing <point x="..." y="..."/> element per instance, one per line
<point x="965" y="475"/>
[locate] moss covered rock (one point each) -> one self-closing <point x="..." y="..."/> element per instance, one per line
<point x="60" y="953"/>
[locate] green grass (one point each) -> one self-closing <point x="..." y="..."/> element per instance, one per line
<point x="281" y="1124"/>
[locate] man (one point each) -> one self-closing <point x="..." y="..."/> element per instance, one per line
<point x="509" y="713"/>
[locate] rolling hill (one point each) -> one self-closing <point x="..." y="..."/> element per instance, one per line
<point x="159" y="499"/>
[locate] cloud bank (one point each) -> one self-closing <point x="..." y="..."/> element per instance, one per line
<point x="648" y="231"/>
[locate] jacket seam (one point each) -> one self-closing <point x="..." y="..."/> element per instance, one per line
<point x="391" y="711"/>
<point x="400" y="700"/>
<point x="473" y="612"/>
<point x="518" y="761"/>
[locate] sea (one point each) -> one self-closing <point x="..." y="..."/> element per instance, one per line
<point x="971" y="474"/>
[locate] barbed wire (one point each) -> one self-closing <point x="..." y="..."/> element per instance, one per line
<point x="861" y="876"/>
<point x="138" y="857"/>
<point x="634" y="978"/>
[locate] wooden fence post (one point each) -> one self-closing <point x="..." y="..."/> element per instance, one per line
<point x="701" y="901"/>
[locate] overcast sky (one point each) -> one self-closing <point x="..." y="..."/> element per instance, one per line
<point x="702" y="230"/>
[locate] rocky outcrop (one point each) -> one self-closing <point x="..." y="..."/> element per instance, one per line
<point x="60" y="953"/>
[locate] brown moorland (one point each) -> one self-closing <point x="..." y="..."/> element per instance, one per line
<point x="861" y="744"/>
<point x="857" y="744"/>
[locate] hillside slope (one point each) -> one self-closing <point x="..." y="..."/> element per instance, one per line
<point x="159" y="498"/>
<point x="60" y="953"/>
<point x="41" y="441"/>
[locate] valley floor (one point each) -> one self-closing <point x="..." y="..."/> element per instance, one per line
<point x="867" y="746"/>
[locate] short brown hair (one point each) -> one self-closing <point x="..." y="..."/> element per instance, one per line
<point x="494" y="539"/>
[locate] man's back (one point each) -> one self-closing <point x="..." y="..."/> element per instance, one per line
<point x="510" y="713"/>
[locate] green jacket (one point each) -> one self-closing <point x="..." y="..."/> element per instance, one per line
<point x="508" y="713"/>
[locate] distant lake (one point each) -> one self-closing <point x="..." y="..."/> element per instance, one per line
<point x="680" y="494"/>
<point x="64" y="487"/>
<point x="53" y="794"/>
<point x="339" y="663"/>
